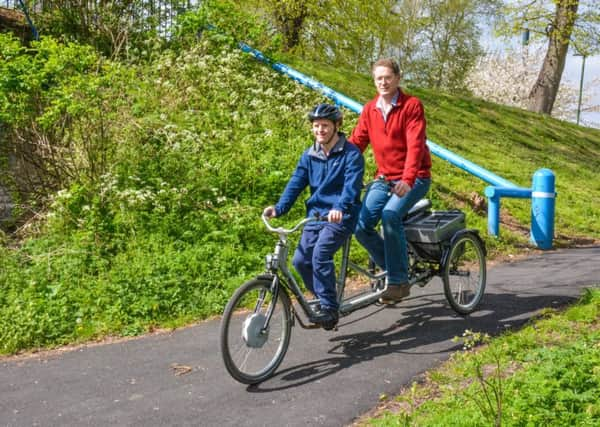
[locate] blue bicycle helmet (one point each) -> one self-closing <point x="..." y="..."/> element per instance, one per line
<point x="327" y="112"/>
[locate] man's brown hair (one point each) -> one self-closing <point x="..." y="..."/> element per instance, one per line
<point x="388" y="63"/>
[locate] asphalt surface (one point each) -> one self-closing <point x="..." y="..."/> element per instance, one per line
<point x="327" y="378"/>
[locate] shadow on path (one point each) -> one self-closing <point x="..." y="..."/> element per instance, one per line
<point x="427" y="321"/>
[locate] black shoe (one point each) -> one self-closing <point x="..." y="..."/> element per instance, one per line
<point x="327" y="318"/>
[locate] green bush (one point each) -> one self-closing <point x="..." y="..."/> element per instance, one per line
<point x="62" y="108"/>
<point x="199" y="142"/>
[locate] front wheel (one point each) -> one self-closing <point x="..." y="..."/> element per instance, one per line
<point x="255" y="331"/>
<point x="464" y="273"/>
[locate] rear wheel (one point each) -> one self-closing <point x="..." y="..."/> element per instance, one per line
<point x="253" y="349"/>
<point x="464" y="273"/>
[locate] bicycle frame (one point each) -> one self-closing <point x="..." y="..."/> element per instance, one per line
<point x="420" y="271"/>
<point x="278" y="269"/>
<point x="365" y="298"/>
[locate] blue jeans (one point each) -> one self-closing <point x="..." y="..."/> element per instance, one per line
<point x="380" y="204"/>
<point x="313" y="259"/>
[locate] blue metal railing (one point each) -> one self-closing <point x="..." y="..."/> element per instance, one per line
<point x="542" y="192"/>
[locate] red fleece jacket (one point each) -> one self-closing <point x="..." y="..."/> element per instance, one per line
<point x="398" y="144"/>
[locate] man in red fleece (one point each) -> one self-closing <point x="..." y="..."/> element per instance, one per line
<point x="394" y="124"/>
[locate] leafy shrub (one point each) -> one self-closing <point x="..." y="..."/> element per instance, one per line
<point x="224" y="22"/>
<point x="562" y="387"/>
<point x="197" y="144"/>
<point x="61" y="109"/>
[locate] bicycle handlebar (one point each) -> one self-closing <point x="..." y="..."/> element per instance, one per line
<point x="286" y="231"/>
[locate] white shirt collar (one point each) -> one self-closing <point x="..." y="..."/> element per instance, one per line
<point x="385" y="109"/>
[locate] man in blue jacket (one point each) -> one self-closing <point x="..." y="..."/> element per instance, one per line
<point x="333" y="170"/>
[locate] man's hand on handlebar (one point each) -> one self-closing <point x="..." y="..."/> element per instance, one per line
<point x="333" y="215"/>
<point x="270" y="212"/>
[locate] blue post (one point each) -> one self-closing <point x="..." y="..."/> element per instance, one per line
<point x="493" y="213"/>
<point x="543" y="199"/>
<point x="494" y="194"/>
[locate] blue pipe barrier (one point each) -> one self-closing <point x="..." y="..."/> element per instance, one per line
<point x="542" y="192"/>
<point x="494" y="194"/>
<point x="337" y="97"/>
<point x="543" y="198"/>
<point x="469" y="166"/>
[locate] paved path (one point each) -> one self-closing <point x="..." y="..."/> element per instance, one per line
<point x="327" y="378"/>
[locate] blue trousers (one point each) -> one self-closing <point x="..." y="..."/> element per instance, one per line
<point x="313" y="259"/>
<point x="380" y="204"/>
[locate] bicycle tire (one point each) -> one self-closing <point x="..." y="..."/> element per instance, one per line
<point x="251" y="355"/>
<point x="464" y="273"/>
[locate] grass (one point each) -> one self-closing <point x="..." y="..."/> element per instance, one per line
<point x="547" y="373"/>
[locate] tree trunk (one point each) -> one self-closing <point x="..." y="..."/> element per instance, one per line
<point x="289" y="18"/>
<point x="291" y="32"/>
<point x="543" y="93"/>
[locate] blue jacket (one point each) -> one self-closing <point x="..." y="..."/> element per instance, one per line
<point x="335" y="182"/>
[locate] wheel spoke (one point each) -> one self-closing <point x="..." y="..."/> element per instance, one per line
<point x="260" y="301"/>
<point x="244" y="362"/>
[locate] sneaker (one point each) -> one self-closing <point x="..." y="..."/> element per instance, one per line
<point x="327" y="318"/>
<point x="394" y="293"/>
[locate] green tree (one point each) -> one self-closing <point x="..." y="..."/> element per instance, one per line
<point x="289" y="17"/>
<point x="115" y="28"/>
<point x="449" y="36"/>
<point x="562" y="23"/>
<point x="353" y="33"/>
<point x="435" y="41"/>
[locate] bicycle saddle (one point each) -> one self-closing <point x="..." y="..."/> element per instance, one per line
<point x="421" y="206"/>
